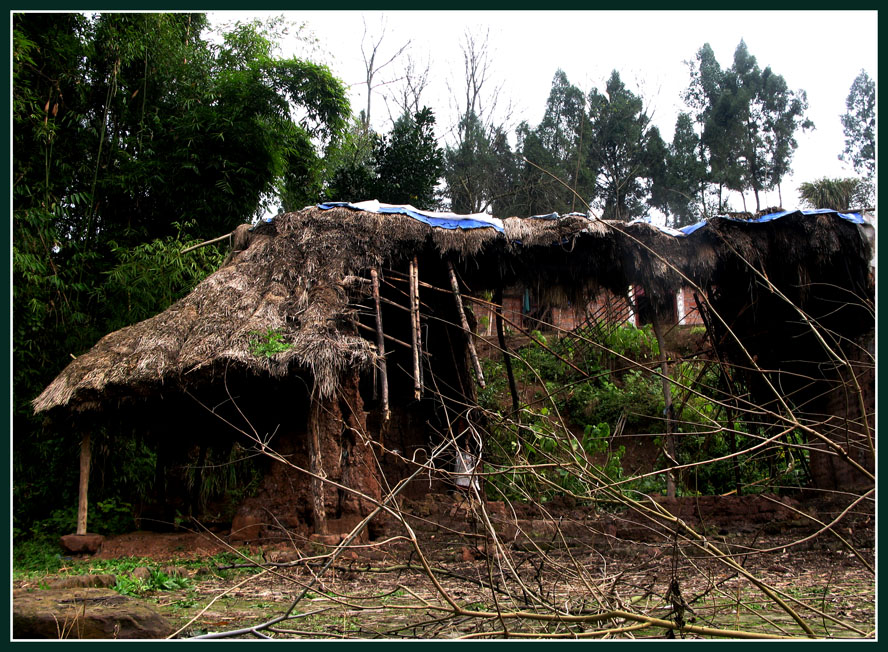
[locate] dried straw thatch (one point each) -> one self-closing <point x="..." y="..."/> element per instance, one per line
<point x="303" y="275"/>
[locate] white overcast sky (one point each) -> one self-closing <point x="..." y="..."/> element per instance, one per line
<point x="820" y="52"/>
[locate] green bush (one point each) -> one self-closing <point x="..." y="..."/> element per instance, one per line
<point x="268" y="344"/>
<point x="595" y="402"/>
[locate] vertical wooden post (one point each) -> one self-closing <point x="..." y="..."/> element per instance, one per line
<point x="507" y="358"/>
<point x="380" y="345"/>
<point x="415" y="330"/>
<point x="465" y="325"/>
<point x="319" y="510"/>
<point x="667" y="398"/>
<point x="84" y="483"/>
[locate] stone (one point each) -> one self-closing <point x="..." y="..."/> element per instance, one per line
<point x="105" y="581"/>
<point x="82" y="544"/>
<point x="282" y="556"/>
<point x="245" y="527"/>
<point x="142" y="573"/>
<point x="326" y="539"/>
<point x="174" y="571"/>
<point x="84" y="613"/>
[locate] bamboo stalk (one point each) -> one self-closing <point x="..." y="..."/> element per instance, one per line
<point x="84" y="483"/>
<point x="415" y="332"/>
<point x="667" y="398"/>
<point x="380" y="344"/>
<point x="205" y="243"/>
<point x="465" y="325"/>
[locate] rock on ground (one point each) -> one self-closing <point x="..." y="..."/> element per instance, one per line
<point x="82" y="544"/>
<point x="84" y="613"/>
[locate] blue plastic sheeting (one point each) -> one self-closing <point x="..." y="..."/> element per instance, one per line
<point x="659" y="227"/>
<point x="556" y="216"/>
<point x="856" y="218"/>
<point x="432" y="218"/>
<point x="688" y="230"/>
<point x="482" y="220"/>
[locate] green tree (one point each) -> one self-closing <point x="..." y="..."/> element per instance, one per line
<point x="680" y="190"/>
<point x="714" y="114"/>
<point x="837" y="194"/>
<point x="749" y="118"/>
<point x="859" y="123"/>
<point x="133" y="135"/>
<point x="352" y="165"/>
<point x="409" y="161"/>
<point x="550" y="178"/>
<point x="622" y="150"/>
<point x="401" y="167"/>
<point x="480" y="170"/>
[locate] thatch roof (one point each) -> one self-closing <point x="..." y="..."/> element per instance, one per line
<point x="303" y="274"/>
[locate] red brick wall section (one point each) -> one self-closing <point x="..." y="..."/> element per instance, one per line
<point x="691" y="312"/>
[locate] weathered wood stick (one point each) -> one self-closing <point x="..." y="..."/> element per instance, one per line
<point x="389" y="337"/>
<point x="84" y="483"/>
<point x="465" y="324"/>
<point x="507" y="356"/>
<point x="204" y="244"/>
<point x="380" y="345"/>
<point x="414" y="330"/>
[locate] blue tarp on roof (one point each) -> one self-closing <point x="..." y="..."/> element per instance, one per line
<point x="482" y="220"/>
<point x="432" y="218"/>
<point x="856" y="218"/>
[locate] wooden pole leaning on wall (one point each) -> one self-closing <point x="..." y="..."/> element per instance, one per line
<point x="465" y="325"/>
<point x="667" y="398"/>
<point x="85" y="456"/>
<point x="380" y="345"/>
<point x="507" y="356"/>
<point x="415" y="332"/>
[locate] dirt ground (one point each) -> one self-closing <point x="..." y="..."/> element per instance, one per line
<point x="574" y="562"/>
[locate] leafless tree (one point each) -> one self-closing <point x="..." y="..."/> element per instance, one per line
<point x="477" y="92"/>
<point x="407" y="98"/>
<point x="370" y="50"/>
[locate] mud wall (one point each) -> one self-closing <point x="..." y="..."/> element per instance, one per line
<point x="283" y="505"/>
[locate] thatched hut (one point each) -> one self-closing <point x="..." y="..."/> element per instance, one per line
<point x="282" y="341"/>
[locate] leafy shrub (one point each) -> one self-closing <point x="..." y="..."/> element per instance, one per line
<point x="268" y="344"/>
<point x="157" y="581"/>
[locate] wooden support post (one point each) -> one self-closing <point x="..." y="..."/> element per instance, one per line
<point x="319" y="510"/>
<point x="667" y="398"/>
<point x="380" y="345"/>
<point x="507" y="357"/>
<point x="415" y="327"/>
<point x="465" y="325"/>
<point x="85" y="455"/>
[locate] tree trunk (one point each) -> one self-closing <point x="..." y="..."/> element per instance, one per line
<point x="84" y="483"/>
<point x="319" y="511"/>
